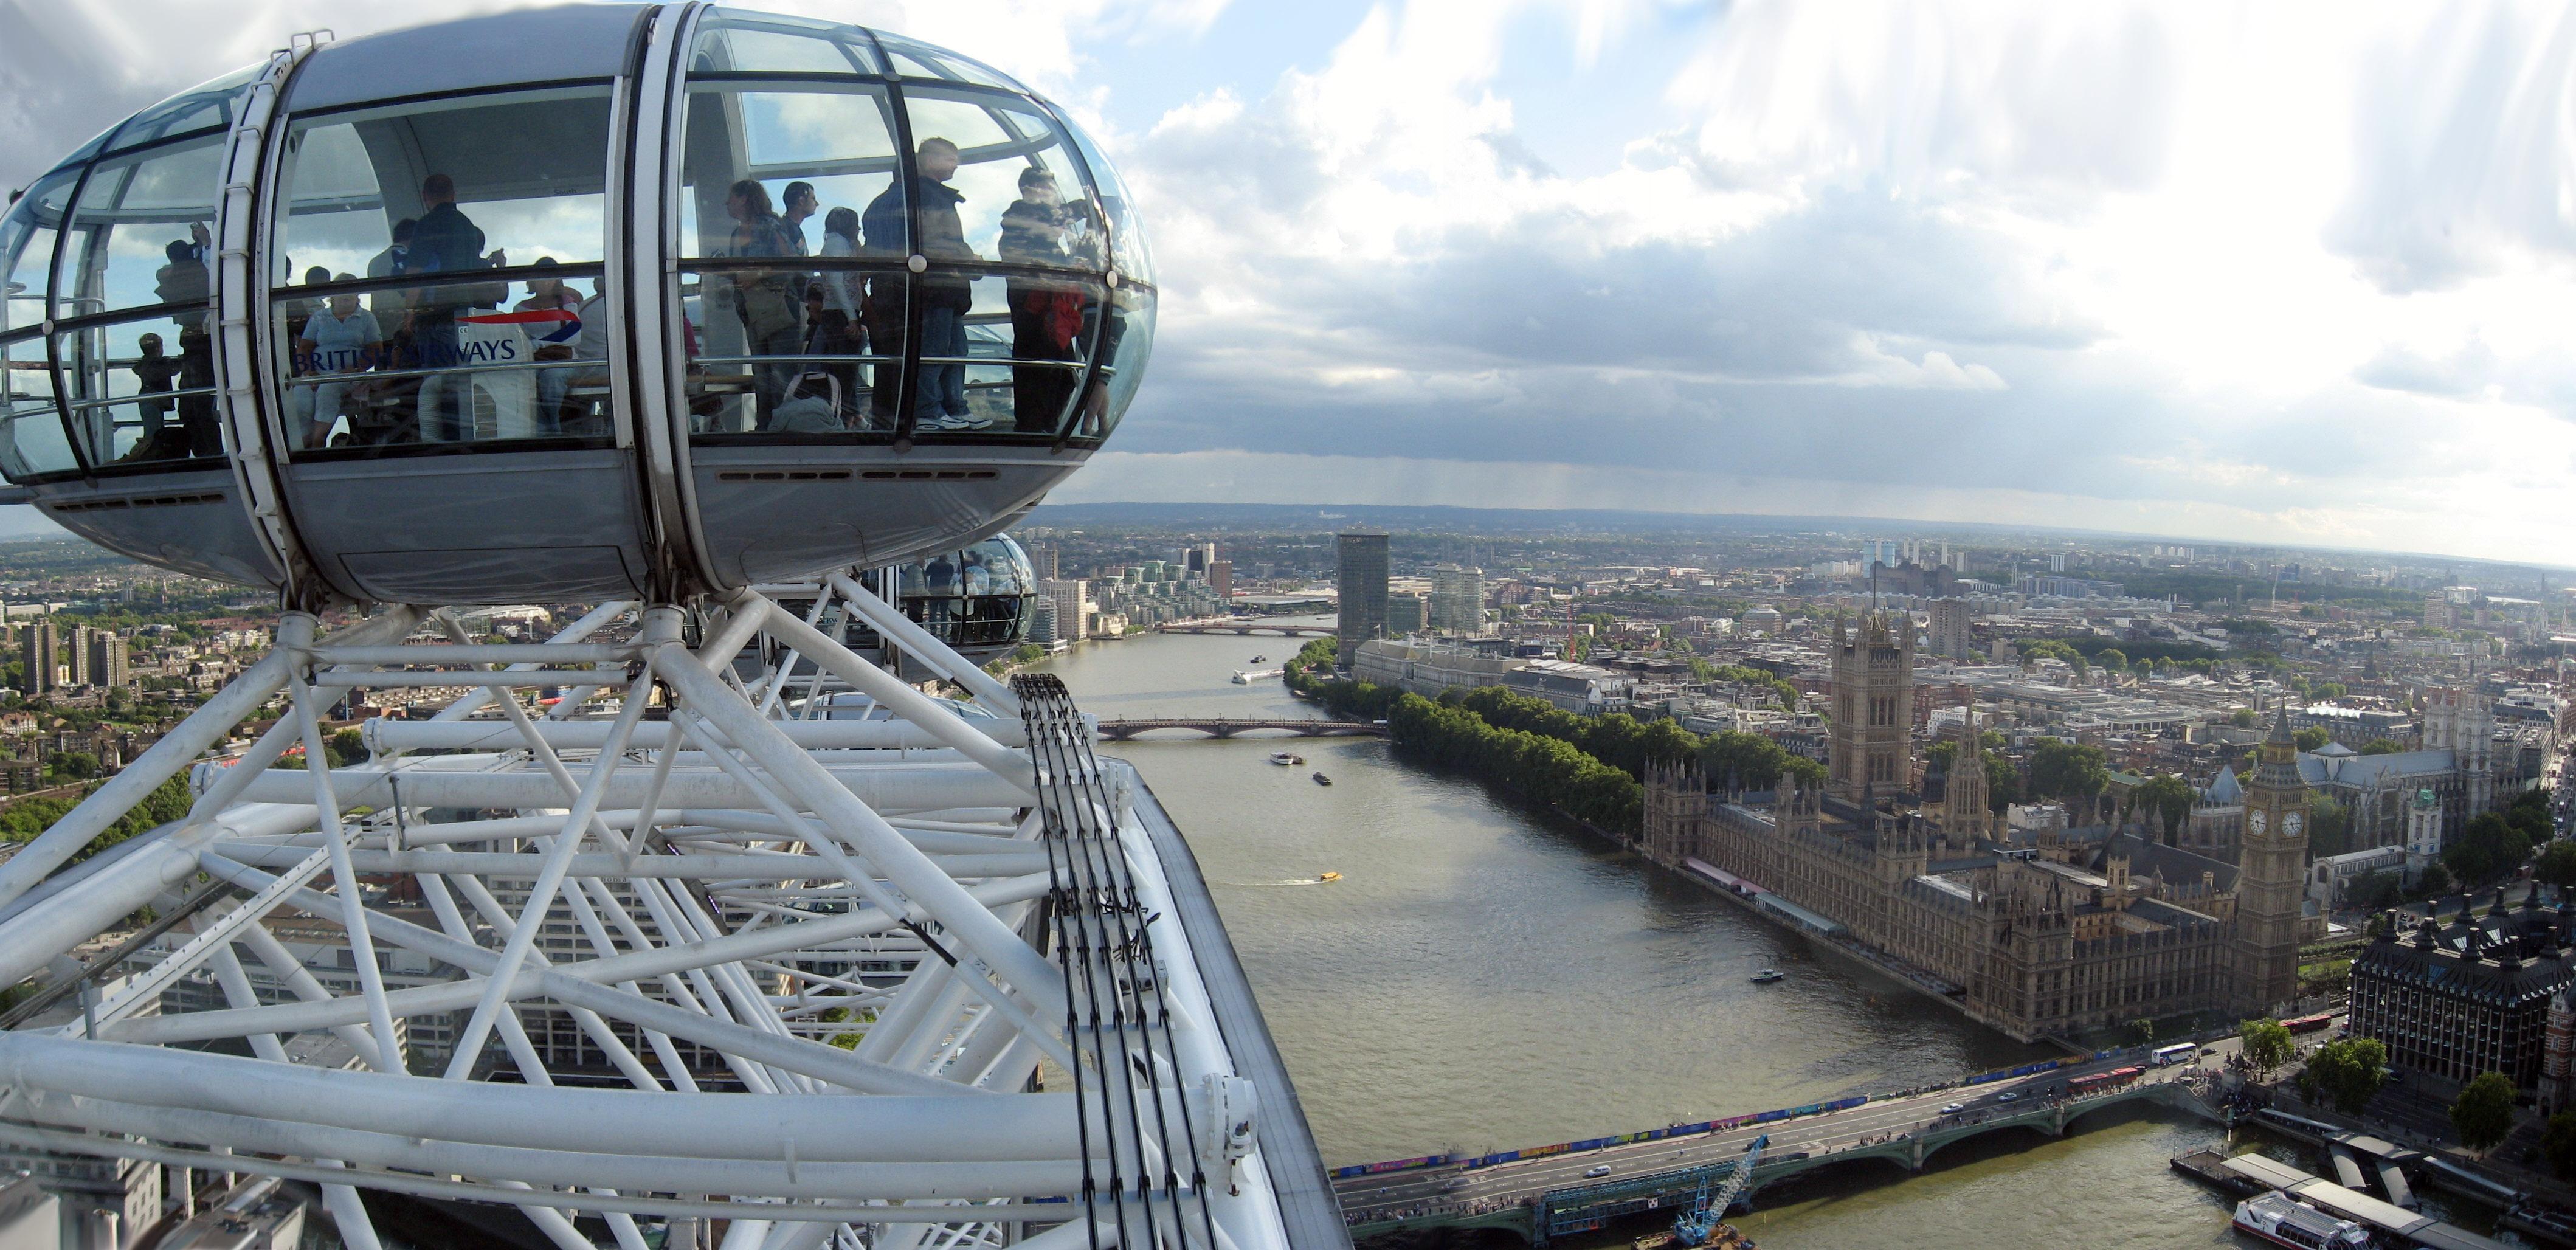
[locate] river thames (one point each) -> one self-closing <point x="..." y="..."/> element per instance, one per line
<point x="1482" y="979"/>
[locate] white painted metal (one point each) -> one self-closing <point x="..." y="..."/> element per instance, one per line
<point x="662" y="912"/>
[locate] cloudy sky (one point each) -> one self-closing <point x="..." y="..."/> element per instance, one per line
<point x="2292" y="273"/>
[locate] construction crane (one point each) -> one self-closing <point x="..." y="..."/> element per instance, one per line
<point x="1700" y="1222"/>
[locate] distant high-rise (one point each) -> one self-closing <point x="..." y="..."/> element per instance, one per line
<point x="1406" y="614"/>
<point x="36" y="651"/>
<point x="1360" y="574"/>
<point x="1042" y="618"/>
<point x="1198" y="557"/>
<point x="1952" y="638"/>
<point x="1072" y="608"/>
<point x="1457" y="600"/>
<point x="1220" y="578"/>
<point x="107" y="663"/>
<point x="74" y="646"/>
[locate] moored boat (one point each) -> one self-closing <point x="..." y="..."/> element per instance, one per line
<point x="2277" y="1218"/>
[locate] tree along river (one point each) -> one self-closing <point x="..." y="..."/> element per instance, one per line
<point x="1480" y="978"/>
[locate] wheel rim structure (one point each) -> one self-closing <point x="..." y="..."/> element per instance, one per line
<point x="790" y="945"/>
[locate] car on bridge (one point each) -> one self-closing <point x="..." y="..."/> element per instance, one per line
<point x="1954" y="1108"/>
<point x="2010" y="1095"/>
<point x="1597" y="1169"/>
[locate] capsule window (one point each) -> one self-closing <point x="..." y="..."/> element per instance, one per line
<point x="738" y="41"/>
<point x="206" y="107"/>
<point x="921" y="60"/>
<point x="501" y="180"/>
<point x="1006" y="187"/>
<point x="27" y="237"/>
<point x="438" y="272"/>
<point x="371" y="367"/>
<point x="32" y="442"/>
<point x="142" y="230"/>
<point x="141" y="391"/>
<point x="796" y="237"/>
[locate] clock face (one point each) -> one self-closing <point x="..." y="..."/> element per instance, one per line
<point x="2292" y="823"/>
<point x="2254" y="820"/>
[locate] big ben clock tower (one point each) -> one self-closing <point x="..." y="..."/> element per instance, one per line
<point x="2271" y="868"/>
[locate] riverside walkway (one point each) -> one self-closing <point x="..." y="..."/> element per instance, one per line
<point x="1226" y="727"/>
<point x="1550" y="1192"/>
<point x="1246" y="629"/>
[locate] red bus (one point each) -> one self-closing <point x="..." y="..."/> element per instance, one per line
<point x="2100" y="1081"/>
<point x="2308" y="1024"/>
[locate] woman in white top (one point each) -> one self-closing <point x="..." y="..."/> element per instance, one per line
<point x="837" y="331"/>
<point x="339" y="338"/>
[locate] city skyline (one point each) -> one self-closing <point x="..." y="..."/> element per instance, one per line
<point x="2251" y="278"/>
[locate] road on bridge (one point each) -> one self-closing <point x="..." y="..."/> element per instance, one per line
<point x="1393" y="1195"/>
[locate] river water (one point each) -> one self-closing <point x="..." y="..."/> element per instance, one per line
<point x="1482" y="979"/>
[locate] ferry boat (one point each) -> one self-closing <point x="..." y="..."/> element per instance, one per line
<point x="2277" y="1218"/>
<point x="1769" y="975"/>
<point x="1322" y="780"/>
<point x="1283" y="758"/>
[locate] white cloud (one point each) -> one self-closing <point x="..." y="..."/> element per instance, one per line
<point x="2296" y="270"/>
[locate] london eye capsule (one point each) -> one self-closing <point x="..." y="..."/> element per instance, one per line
<point x="585" y="302"/>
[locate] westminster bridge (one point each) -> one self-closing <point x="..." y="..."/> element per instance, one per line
<point x="1553" y="1191"/>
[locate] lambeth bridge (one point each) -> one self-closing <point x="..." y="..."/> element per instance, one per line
<point x="1224" y="727"/>
<point x="1555" y="1191"/>
<point x="1246" y="628"/>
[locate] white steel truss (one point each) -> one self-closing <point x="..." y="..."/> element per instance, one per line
<point x="788" y="945"/>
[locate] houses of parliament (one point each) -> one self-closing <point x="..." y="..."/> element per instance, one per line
<point x="2038" y="934"/>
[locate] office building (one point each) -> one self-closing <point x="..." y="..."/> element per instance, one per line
<point x="1952" y="638"/>
<point x="1042" y="622"/>
<point x="1360" y="576"/>
<point x="1220" y="578"/>
<point x="1407" y="615"/>
<point x="1457" y="600"/>
<point x="1072" y="601"/>
<point x="2453" y="1000"/>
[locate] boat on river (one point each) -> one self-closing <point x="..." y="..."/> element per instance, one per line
<point x="1323" y="878"/>
<point x="1284" y="759"/>
<point x="1258" y="659"/>
<point x="1322" y="780"/>
<point x="2277" y="1218"/>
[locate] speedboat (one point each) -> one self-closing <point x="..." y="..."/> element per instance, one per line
<point x="1282" y="758"/>
<point x="1258" y="659"/>
<point x="1329" y="876"/>
<point x="1322" y="780"/>
<point x="1769" y="975"/>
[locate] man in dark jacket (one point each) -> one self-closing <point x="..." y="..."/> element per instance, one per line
<point x="938" y="234"/>
<point x="444" y="242"/>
